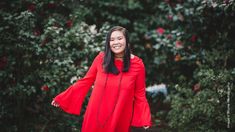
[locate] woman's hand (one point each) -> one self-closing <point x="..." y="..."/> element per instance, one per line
<point x="54" y="103"/>
<point x="146" y="127"/>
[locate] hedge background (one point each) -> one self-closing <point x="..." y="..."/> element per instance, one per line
<point x="188" y="45"/>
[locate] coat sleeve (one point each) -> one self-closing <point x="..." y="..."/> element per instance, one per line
<point x="72" y="98"/>
<point x="141" y="113"/>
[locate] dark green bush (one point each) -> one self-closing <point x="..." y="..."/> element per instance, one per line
<point x="44" y="48"/>
<point x="193" y="53"/>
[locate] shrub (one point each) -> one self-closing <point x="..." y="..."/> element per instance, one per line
<point x="44" y="48"/>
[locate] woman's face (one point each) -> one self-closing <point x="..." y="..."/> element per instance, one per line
<point x="117" y="43"/>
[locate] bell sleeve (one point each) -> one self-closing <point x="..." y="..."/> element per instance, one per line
<point x="141" y="111"/>
<point x="72" y="98"/>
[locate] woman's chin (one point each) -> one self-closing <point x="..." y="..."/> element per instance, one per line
<point x="120" y="51"/>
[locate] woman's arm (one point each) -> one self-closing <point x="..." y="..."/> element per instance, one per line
<point x="141" y="115"/>
<point x="72" y="98"/>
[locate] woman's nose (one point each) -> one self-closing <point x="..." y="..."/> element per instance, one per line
<point x="116" y="41"/>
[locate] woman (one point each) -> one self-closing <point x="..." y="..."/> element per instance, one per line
<point x="118" y="98"/>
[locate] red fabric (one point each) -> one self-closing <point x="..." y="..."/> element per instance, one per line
<point x="111" y="108"/>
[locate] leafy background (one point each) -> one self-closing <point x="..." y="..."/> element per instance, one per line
<point x="188" y="45"/>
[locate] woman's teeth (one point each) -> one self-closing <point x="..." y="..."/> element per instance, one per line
<point x="116" y="47"/>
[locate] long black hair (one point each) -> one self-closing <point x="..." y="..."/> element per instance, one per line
<point x="108" y="61"/>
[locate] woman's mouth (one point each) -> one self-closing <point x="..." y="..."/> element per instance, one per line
<point x="117" y="47"/>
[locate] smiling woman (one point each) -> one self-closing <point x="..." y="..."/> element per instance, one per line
<point x="117" y="48"/>
<point x="118" y="98"/>
<point x="118" y="44"/>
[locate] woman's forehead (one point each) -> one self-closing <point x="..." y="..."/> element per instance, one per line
<point x="117" y="34"/>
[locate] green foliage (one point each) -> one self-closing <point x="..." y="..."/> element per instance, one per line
<point x="204" y="108"/>
<point x="193" y="53"/>
<point x="43" y="51"/>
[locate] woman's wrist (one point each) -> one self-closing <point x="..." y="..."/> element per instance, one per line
<point x="145" y="127"/>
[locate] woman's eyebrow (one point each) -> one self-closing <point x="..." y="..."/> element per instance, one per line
<point x="117" y="37"/>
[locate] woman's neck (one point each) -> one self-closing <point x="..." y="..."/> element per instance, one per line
<point x="119" y="56"/>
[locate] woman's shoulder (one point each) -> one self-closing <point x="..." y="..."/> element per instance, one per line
<point x="136" y="60"/>
<point x="100" y="55"/>
<point x="101" y="52"/>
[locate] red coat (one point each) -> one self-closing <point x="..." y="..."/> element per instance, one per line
<point x="117" y="101"/>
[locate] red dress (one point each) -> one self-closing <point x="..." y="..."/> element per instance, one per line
<point x="116" y="102"/>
